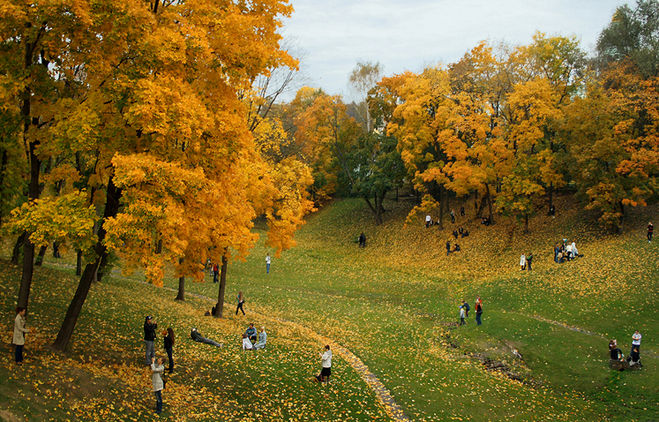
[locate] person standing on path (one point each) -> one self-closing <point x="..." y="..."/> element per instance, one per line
<point x="529" y="261"/>
<point x="650" y="230"/>
<point x="636" y="340"/>
<point x="157" y="369"/>
<point x="19" y="334"/>
<point x="241" y="302"/>
<point x="150" y="327"/>
<point x="479" y="310"/>
<point x="169" y="348"/>
<point x="326" y="363"/>
<point x="267" y="264"/>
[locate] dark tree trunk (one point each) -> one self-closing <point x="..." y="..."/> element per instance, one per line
<point x="526" y="223"/>
<point x="113" y="195"/>
<point x="489" y="203"/>
<point x="35" y="168"/>
<point x="550" y="194"/>
<point x="42" y="252"/>
<point x="223" y="284"/>
<point x="181" y="285"/>
<point x="78" y="262"/>
<point x="16" y="252"/>
<point x="3" y="171"/>
<point x="441" y="207"/>
<point x="56" y="253"/>
<point x="378" y="210"/>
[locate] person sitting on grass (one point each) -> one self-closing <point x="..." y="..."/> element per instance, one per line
<point x="247" y="345"/>
<point x="251" y="333"/>
<point x="575" y="252"/>
<point x="615" y="352"/>
<point x="455" y="234"/>
<point x="263" y="338"/>
<point x="634" y="357"/>
<point x="196" y="336"/>
<point x="456" y="248"/>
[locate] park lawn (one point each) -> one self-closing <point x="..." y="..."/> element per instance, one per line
<point x="395" y="303"/>
<point x="103" y="376"/>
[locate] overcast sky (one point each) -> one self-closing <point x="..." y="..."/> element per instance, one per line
<point x="332" y="35"/>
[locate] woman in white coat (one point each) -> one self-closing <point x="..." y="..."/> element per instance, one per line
<point x="157" y="369"/>
<point x="19" y="334"/>
<point x="522" y="262"/>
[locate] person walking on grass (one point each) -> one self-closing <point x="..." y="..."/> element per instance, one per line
<point x="463" y="315"/>
<point x="169" y="347"/>
<point x="479" y="310"/>
<point x="650" y="230"/>
<point x="19" y="334"/>
<point x="241" y="302"/>
<point x="267" y="263"/>
<point x="157" y="370"/>
<point x="326" y="365"/>
<point x="150" y="327"/>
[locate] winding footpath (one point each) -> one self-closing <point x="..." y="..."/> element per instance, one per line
<point x="383" y="395"/>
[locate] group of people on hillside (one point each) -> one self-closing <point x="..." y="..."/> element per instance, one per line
<point x="430" y="222"/>
<point x="617" y="359"/>
<point x="464" y="309"/>
<point x="253" y="340"/>
<point x="565" y="251"/>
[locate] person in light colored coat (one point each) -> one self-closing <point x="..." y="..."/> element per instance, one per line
<point x="19" y="334"/>
<point x="263" y="338"/>
<point x="157" y="369"/>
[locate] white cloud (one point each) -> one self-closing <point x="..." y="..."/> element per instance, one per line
<point x="409" y="34"/>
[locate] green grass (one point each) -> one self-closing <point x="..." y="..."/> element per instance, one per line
<point x="395" y="304"/>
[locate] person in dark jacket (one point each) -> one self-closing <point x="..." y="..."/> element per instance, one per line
<point x="241" y="302"/>
<point x="150" y="327"/>
<point x="529" y="261"/>
<point x="448" y="247"/>
<point x="479" y="310"/>
<point x="650" y="230"/>
<point x="196" y="336"/>
<point x="169" y="348"/>
<point x="251" y="333"/>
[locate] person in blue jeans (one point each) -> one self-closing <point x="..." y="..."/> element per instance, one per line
<point x="267" y="264"/>
<point x="150" y="327"/>
<point x="479" y="310"/>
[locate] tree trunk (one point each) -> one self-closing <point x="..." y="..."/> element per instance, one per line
<point x="223" y="283"/>
<point x="42" y="252"/>
<point x="33" y="185"/>
<point x="441" y="207"/>
<point x="526" y="223"/>
<point x="56" y="253"/>
<point x="78" y="262"/>
<point x="181" y="285"/>
<point x="550" y="193"/>
<point x="489" y="203"/>
<point x="3" y="170"/>
<point x="16" y="252"/>
<point x="113" y="195"/>
<point x="378" y="210"/>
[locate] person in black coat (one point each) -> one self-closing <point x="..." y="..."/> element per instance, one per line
<point x="169" y="347"/>
<point x="150" y="327"/>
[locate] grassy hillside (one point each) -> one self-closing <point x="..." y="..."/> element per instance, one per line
<point x="395" y="305"/>
<point x="104" y="378"/>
